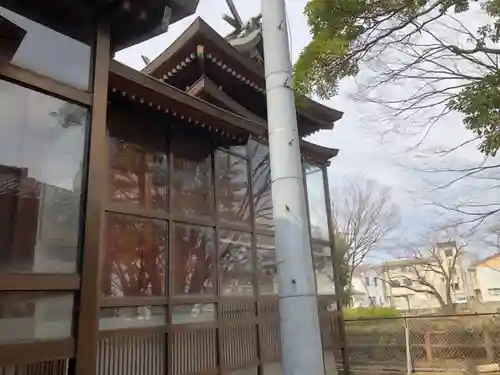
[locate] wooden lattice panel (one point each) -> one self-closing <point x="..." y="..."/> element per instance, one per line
<point x="238" y="345"/>
<point x="270" y="341"/>
<point x="194" y="351"/>
<point x="132" y="354"/>
<point x="56" y="367"/>
<point x="269" y="307"/>
<point x="237" y="309"/>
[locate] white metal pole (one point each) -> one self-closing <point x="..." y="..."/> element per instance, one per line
<point x="299" y="323"/>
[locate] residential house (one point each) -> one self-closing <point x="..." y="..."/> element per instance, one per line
<point x="485" y="280"/>
<point x="367" y="287"/>
<point x="405" y="292"/>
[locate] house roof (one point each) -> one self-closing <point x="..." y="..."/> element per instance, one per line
<point x="200" y="50"/>
<point x="495" y="258"/>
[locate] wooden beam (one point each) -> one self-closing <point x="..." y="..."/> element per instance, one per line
<point x="38" y="282"/>
<point x="200" y="55"/>
<point x="96" y="183"/>
<point x="45" y="84"/>
<point x="36" y="352"/>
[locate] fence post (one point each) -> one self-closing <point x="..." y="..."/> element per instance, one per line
<point x="428" y="346"/>
<point x="488" y="343"/>
<point x="409" y="366"/>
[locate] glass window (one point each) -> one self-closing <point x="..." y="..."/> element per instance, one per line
<point x="267" y="267"/>
<point x="138" y="170"/>
<point x="50" y="53"/>
<point x="494" y="291"/>
<point x="27" y="316"/>
<point x="195" y="313"/>
<point x="233" y="193"/>
<point x="323" y="268"/>
<point x="235" y="263"/>
<point x="192" y="176"/>
<point x="317" y="202"/>
<point x="236" y="149"/>
<point x="192" y="260"/>
<point x="41" y="154"/>
<point x="112" y="318"/>
<point x="134" y="256"/>
<point x="261" y="185"/>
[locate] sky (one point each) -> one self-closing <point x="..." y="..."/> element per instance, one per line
<point x="358" y="135"/>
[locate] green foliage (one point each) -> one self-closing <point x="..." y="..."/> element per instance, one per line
<point x="370" y="313"/>
<point x="480" y="105"/>
<point x="346" y="32"/>
<point x="342" y="267"/>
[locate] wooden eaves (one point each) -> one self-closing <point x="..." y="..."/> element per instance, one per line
<point x="221" y="54"/>
<point x="130" y="21"/>
<point x="151" y="92"/>
<point x="11" y="37"/>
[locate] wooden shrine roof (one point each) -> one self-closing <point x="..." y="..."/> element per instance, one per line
<point x="201" y="51"/>
<point x="203" y="107"/>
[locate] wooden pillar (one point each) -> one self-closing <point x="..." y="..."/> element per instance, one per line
<point x="336" y="274"/>
<point x="489" y="345"/>
<point x="87" y="334"/>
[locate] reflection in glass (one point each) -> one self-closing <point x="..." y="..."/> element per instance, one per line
<point x="192" y="175"/>
<point x="134" y="258"/>
<point x="41" y="154"/>
<point x="192" y="262"/>
<point x="267" y="267"/>
<point x="50" y="53"/>
<point x="132" y="317"/>
<point x="195" y="313"/>
<point x="323" y="268"/>
<point x="240" y="149"/>
<point x="138" y="165"/>
<point x="261" y="185"/>
<point x="317" y="202"/>
<point x="235" y="263"/>
<point x="233" y="193"/>
<point x="27" y="316"/>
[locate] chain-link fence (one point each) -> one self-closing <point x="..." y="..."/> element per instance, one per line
<point x="465" y="343"/>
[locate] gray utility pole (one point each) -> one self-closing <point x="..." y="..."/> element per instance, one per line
<point x="300" y="334"/>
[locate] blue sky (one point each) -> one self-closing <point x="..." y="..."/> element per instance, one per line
<point x="363" y="151"/>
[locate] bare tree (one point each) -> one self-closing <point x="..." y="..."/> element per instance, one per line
<point x="364" y="216"/>
<point x="433" y="271"/>
<point x="426" y="66"/>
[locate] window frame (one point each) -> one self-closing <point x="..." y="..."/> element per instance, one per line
<point x="34" y="281"/>
<point x="40" y="351"/>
